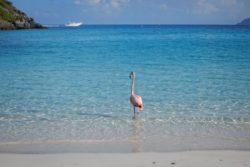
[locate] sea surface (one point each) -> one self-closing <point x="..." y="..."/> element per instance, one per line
<point x="69" y="88"/>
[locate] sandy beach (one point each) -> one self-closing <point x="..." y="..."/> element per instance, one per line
<point x="125" y="83"/>
<point x="180" y="159"/>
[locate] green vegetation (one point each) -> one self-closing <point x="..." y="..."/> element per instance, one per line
<point x="6" y="15"/>
<point x="6" y="10"/>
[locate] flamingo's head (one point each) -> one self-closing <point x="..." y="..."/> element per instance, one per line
<point x="132" y="75"/>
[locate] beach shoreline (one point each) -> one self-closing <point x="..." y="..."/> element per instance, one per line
<point x="206" y="158"/>
<point x="133" y="145"/>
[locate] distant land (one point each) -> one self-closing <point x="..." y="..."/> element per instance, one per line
<point x="11" y="18"/>
<point x="245" y="22"/>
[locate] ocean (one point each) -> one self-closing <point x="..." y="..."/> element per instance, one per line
<point x="70" y="86"/>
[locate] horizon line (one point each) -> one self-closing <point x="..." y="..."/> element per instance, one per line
<point x="146" y="24"/>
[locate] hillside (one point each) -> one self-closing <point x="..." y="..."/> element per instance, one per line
<point x="245" y="22"/>
<point x="11" y="18"/>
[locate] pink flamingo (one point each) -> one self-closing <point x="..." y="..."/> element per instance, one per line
<point x="135" y="100"/>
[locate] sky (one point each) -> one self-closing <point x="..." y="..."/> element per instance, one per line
<point x="136" y="11"/>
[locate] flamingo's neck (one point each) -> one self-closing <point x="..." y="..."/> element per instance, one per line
<point x="132" y="85"/>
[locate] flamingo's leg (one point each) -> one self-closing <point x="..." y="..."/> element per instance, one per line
<point x="134" y="111"/>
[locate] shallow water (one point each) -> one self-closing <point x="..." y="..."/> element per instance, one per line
<point x="72" y="84"/>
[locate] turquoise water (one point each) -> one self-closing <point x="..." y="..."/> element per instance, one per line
<point x="72" y="84"/>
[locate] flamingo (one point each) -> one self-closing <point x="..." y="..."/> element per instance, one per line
<point x="135" y="100"/>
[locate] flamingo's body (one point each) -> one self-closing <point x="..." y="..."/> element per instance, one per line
<point x="135" y="100"/>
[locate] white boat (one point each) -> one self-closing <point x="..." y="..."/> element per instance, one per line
<point x="73" y="24"/>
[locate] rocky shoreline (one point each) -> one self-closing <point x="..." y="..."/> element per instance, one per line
<point x="19" y="25"/>
<point x="12" y="19"/>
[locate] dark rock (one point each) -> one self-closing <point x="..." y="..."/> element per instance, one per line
<point x="6" y="26"/>
<point x="19" y="25"/>
<point x="172" y="163"/>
